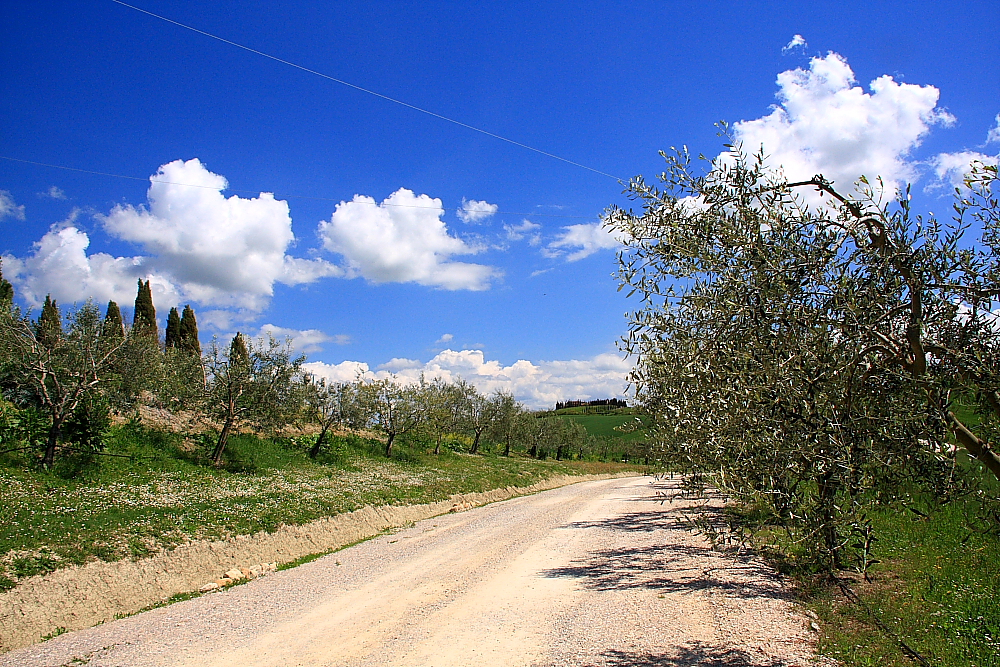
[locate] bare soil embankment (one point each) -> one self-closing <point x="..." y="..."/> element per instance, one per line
<point x="80" y="597"/>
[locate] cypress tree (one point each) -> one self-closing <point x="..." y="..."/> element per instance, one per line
<point x="238" y="353"/>
<point x="6" y="290"/>
<point x="113" y="324"/>
<point x="48" y="329"/>
<point x="144" y="321"/>
<point x="189" y="332"/>
<point x="173" y="335"/>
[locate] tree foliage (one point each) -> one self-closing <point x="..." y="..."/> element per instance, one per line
<point x="144" y="318"/>
<point x="60" y="373"/>
<point x="48" y="328"/>
<point x="188" y="332"/>
<point x="6" y="290"/>
<point x="806" y="358"/>
<point x="172" y="336"/>
<point x="254" y="382"/>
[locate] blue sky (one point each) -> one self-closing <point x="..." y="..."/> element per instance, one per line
<point x="510" y="286"/>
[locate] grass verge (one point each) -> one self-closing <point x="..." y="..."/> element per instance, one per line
<point x="160" y="491"/>
<point x="937" y="589"/>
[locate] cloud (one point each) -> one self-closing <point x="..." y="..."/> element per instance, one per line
<point x="993" y="136"/>
<point x="60" y="266"/>
<point x="403" y="239"/>
<point x="950" y="169"/>
<point x="9" y="208"/>
<point x="538" y="385"/>
<point x="526" y="228"/>
<point x="53" y="193"/>
<point x="473" y="211"/>
<point x="346" y="371"/>
<point x="305" y="341"/>
<point x="589" y="238"/>
<point x="824" y="124"/>
<point x="797" y="41"/>
<point x="397" y="364"/>
<point x="445" y="338"/>
<point x="222" y="251"/>
<point x="199" y="246"/>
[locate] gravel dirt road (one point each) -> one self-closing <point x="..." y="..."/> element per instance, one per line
<point x="597" y="573"/>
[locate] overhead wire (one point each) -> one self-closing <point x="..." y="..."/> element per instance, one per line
<point x="153" y="179"/>
<point x="366" y="90"/>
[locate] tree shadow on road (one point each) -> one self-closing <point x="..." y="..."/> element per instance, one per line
<point x="698" y="654"/>
<point x="671" y="566"/>
<point x="657" y="568"/>
<point x="651" y="520"/>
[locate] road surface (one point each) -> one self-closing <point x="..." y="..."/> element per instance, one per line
<point x="597" y="573"/>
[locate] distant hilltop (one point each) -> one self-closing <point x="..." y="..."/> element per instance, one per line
<point x="608" y="402"/>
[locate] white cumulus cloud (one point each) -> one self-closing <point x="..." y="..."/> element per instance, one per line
<point x="403" y="239"/>
<point x="951" y="168"/>
<point x="346" y="371"/>
<point x="537" y="385"/>
<point x="586" y="238"/>
<point x="53" y="193"/>
<point x="198" y="246"/>
<point x="825" y="124"/>
<point x="796" y="41"/>
<point x="473" y="211"/>
<point x="8" y="207"/>
<point x="60" y="266"/>
<point x="222" y="251"/>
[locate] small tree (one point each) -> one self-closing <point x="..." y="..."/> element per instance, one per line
<point x="445" y="408"/>
<point x="480" y="412"/>
<point x="48" y="329"/>
<point x="390" y="408"/>
<point x="333" y="404"/>
<point x="251" y="383"/>
<point x="113" y="326"/>
<point x="6" y="290"/>
<point x="58" y="372"/>
<point x="507" y="415"/>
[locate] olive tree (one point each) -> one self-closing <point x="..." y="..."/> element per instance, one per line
<point x="480" y="412"/>
<point x="507" y="416"/>
<point x="333" y="404"/>
<point x="255" y="382"/>
<point x="390" y="408"/>
<point x="61" y="372"/>
<point x="803" y="356"/>
<point x="445" y="407"/>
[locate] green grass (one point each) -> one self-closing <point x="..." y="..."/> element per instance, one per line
<point x="603" y="426"/>
<point x="938" y="588"/>
<point x="164" y="492"/>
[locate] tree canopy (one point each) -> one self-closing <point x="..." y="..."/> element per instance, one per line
<point x="802" y="347"/>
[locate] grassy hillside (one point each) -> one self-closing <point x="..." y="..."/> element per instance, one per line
<point x="605" y="425"/>
<point x="157" y="490"/>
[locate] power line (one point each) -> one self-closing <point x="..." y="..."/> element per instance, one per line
<point x="366" y="90"/>
<point x="283" y="196"/>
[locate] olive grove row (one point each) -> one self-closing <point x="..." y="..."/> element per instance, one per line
<point x="64" y="377"/>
